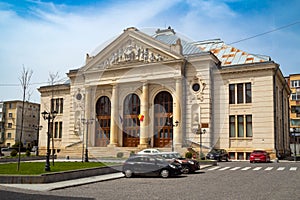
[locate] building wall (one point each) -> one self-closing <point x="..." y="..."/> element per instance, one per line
<point x="205" y="109"/>
<point x="13" y="123"/>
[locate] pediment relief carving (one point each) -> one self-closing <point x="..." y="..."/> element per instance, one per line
<point x="132" y="52"/>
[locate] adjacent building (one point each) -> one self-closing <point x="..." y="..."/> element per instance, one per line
<point x="11" y="121"/>
<point x="160" y="90"/>
<point x="294" y="83"/>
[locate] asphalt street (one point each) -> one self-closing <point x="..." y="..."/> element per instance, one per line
<point x="232" y="180"/>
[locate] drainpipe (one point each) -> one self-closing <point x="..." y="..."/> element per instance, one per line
<point x="275" y="109"/>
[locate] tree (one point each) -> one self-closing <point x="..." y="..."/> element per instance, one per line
<point x="25" y="81"/>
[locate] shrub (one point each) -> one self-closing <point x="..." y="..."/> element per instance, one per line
<point x="13" y="153"/>
<point x="188" y="154"/>
<point x="27" y="153"/>
<point x="17" y="144"/>
<point x="120" y="154"/>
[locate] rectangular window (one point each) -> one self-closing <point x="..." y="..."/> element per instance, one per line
<point x="248" y="125"/>
<point x="60" y="130"/>
<point x="240" y="125"/>
<point x="9" y="125"/>
<point x="232" y="126"/>
<point x="240" y="93"/>
<point x="295" y="83"/>
<point x="8" y="135"/>
<point x="295" y="109"/>
<point x="295" y="122"/>
<point x="231" y="93"/>
<point x="61" y="105"/>
<point x="10" y="115"/>
<point x="57" y="105"/>
<point x="248" y="93"/>
<point x="55" y="129"/>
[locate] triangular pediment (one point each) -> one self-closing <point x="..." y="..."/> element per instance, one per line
<point x="132" y="47"/>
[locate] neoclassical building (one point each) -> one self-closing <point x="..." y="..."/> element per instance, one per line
<point x="161" y="91"/>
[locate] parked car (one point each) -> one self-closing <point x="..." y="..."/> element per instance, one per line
<point x="6" y="151"/>
<point x="218" y="154"/>
<point x="149" y="151"/>
<point x="153" y="165"/>
<point x="259" y="156"/>
<point x="188" y="165"/>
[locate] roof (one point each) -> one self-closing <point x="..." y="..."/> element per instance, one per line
<point x="229" y="55"/>
<point x="168" y="36"/>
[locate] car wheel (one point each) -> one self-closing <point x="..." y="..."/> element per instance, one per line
<point x="165" y="173"/>
<point x="185" y="169"/>
<point x="128" y="173"/>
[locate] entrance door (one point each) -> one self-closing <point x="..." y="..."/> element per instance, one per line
<point x="103" y="108"/>
<point x="163" y="127"/>
<point x="131" y="122"/>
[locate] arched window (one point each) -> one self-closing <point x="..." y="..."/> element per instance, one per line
<point x="163" y="124"/>
<point x="103" y="111"/>
<point x="131" y="122"/>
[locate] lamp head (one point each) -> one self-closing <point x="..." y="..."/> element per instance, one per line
<point x="54" y="113"/>
<point x="44" y="114"/>
<point x="176" y="123"/>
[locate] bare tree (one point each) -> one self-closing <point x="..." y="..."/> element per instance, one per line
<point x="53" y="79"/>
<point x="25" y="81"/>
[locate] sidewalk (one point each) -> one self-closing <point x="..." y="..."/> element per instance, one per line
<point x="72" y="183"/>
<point x="65" y="184"/>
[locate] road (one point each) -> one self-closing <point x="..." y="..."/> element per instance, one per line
<point x="232" y="180"/>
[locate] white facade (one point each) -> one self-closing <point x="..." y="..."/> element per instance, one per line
<point x="131" y="94"/>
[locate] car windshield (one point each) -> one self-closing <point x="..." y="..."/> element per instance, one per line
<point x="214" y="151"/>
<point x="258" y="152"/>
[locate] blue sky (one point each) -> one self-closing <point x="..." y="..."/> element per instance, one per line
<point x="52" y="36"/>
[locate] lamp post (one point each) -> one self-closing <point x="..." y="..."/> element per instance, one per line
<point x="48" y="116"/>
<point x="87" y="122"/>
<point x="200" y="132"/>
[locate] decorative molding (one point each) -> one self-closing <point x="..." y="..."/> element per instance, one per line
<point x="132" y="52"/>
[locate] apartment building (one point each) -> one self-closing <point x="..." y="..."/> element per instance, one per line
<point x="11" y="121"/>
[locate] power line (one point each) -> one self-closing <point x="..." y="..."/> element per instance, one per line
<point x="279" y="28"/>
<point x="19" y="84"/>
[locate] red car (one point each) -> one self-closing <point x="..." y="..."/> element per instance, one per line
<point x="259" y="156"/>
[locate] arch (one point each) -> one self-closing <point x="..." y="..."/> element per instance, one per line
<point x="131" y="122"/>
<point x="163" y="124"/>
<point x="103" y="114"/>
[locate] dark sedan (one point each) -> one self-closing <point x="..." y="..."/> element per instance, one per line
<point x="218" y="154"/>
<point x="152" y="165"/>
<point x="188" y="165"/>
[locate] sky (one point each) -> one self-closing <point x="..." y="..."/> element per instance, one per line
<point x="52" y="37"/>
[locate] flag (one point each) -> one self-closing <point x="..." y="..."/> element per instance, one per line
<point x="141" y="117"/>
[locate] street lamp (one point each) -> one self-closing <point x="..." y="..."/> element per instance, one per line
<point x="200" y="132"/>
<point x="48" y="116"/>
<point x="87" y="122"/>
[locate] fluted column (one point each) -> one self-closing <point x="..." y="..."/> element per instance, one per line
<point x="144" y="111"/>
<point x="177" y="130"/>
<point x="114" y="117"/>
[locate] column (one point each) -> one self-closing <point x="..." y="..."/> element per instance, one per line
<point x="144" y="111"/>
<point x="114" y="117"/>
<point x="177" y="131"/>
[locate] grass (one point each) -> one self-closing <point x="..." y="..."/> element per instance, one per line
<point x="37" y="168"/>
